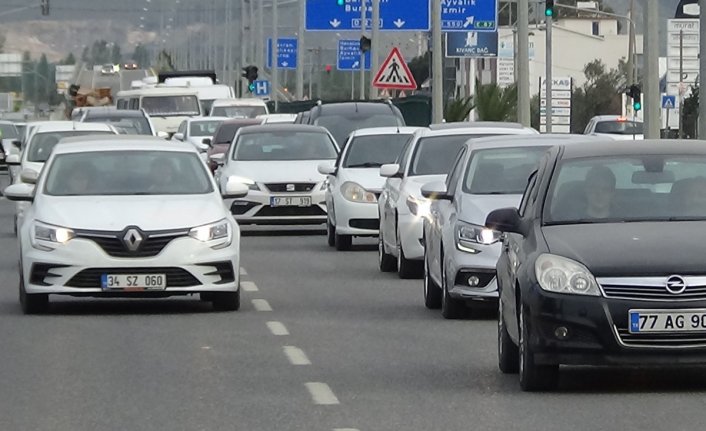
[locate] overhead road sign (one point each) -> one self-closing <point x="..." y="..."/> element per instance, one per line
<point x="395" y="15"/>
<point x="394" y="74"/>
<point x="287" y="53"/>
<point x="349" y="55"/>
<point x="462" y="44"/>
<point x="262" y="88"/>
<point x="469" y="15"/>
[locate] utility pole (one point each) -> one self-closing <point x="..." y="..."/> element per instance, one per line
<point x="549" y="80"/>
<point x="363" y="10"/>
<point x="631" y="45"/>
<point x="275" y="54"/>
<point x="251" y="22"/>
<point x="681" y="83"/>
<point x="301" y="41"/>
<point x="522" y="70"/>
<point x="651" y="88"/>
<point x="261" y="34"/>
<point x="701" y="131"/>
<point x="437" y="85"/>
<point x="374" y="47"/>
<point x="242" y="60"/>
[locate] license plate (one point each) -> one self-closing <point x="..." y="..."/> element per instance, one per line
<point x="290" y="201"/>
<point x="136" y="282"/>
<point x="666" y="321"/>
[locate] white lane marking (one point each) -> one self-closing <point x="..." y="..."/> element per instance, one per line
<point x="248" y="286"/>
<point x="243" y="271"/>
<point x="321" y="394"/>
<point x="296" y="355"/>
<point x="261" y="305"/>
<point x="277" y="328"/>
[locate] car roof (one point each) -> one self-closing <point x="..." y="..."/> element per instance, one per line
<point x="61" y="126"/>
<point x="241" y="121"/>
<point x="197" y="119"/>
<point x="283" y="128"/>
<point x="347" y="107"/>
<point x="492" y="130"/>
<point x="476" y="124"/>
<point x="636" y="148"/>
<point x="238" y="102"/>
<point x="97" y="113"/>
<point x="614" y="118"/>
<point x="158" y="91"/>
<point x="509" y="141"/>
<point x="79" y="144"/>
<point x="376" y="131"/>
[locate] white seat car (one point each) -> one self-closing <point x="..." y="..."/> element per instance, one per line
<point x="428" y="157"/>
<point x="126" y="217"/>
<point x="615" y="127"/>
<point x="354" y="182"/>
<point x="279" y="164"/>
<point x="195" y="130"/>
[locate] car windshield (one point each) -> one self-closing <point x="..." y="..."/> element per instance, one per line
<point x="436" y="155"/>
<point x="8" y="131"/>
<point x="204" y="128"/>
<point x="226" y="132"/>
<point x="111" y="173"/>
<point x="340" y="126"/>
<point x="124" y="125"/>
<point x="42" y="144"/>
<point x="238" y="111"/>
<point x="373" y="151"/>
<point x="625" y="189"/>
<point x="165" y="106"/>
<point x="501" y="171"/>
<point x="285" y="145"/>
<point x="616" y="127"/>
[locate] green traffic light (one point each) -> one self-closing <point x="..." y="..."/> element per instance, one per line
<point x="340" y="2"/>
<point x="549" y="12"/>
<point x="251" y="87"/>
<point x="637" y="106"/>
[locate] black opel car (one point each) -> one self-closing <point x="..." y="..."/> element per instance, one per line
<point x="604" y="261"/>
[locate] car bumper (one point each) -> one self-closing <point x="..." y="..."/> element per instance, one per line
<point x="474" y="273"/>
<point x="598" y="332"/>
<point x="75" y="268"/>
<point x="411" y="231"/>
<point x="355" y="218"/>
<point x="255" y="208"/>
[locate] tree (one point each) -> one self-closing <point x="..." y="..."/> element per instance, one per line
<point x="85" y="55"/>
<point x="115" y="56"/>
<point x="99" y="53"/>
<point x="2" y="41"/>
<point x="458" y="110"/>
<point x="494" y="103"/>
<point x="28" y="82"/>
<point x="691" y="112"/>
<point x="600" y="95"/>
<point x="142" y="56"/>
<point x="164" y="62"/>
<point x="42" y="80"/>
<point x="420" y="66"/>
<point x="69" y="60"/>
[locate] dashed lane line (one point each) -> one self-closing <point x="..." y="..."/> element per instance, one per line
<point x="261" y="305"/>
<point x="248" y="286"/>
<point x="296" y="355"/>
<point x="277" y="328"/>
<point x="321" y="394"/>
<point x="243" y="271"/>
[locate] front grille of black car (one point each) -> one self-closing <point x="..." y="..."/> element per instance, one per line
<point x="311" y="211"/>
<point x="662" y="340"/>
<point x="653" y="293"/>
<point x="290" y="187"/>
<point x="91" y="278"/>
<point x="113" y="244"/>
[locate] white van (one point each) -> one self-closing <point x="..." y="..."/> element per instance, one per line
<point x="238" y="108"/>
<point x="166" y="106"/>
<point x="208" y="91"/>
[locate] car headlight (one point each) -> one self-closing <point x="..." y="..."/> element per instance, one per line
<point x="561" y="275"/>
<point x="420" y="207"/>
<point x="356" y="193"/>
<point x="219" y="233"/>
<point x="468" y="235"/>
<point x="45" y="236"/>
<point x="252" y="185"/>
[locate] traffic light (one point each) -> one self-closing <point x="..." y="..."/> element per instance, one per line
<point x="45" y="7"/>
<point x="635" y="93"/>
<point x="340" y="2"/>
<point x="250" y="73"/>
<point x="549" y="8"/>
<point x="329" y="68"/>
<point x="365" y="44"/>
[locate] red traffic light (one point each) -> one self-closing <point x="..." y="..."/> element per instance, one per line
<point x="328" y="68"/>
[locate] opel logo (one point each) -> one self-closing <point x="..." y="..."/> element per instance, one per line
<point x="133" y="239"/>
<point x="676" y="285"/>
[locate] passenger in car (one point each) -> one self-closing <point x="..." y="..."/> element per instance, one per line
<point x="599" y="188"/>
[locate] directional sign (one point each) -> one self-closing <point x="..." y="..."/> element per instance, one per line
<point x="471" y="44"/>
<point x="397" y="15"/>
<point x="669" y="102"/>
<point x="286" y="53"/>
<point x="262" y="88"/>
<point x="394" y="74"/>
<point x="478" y="15"/>
<point x="349" y="55"/>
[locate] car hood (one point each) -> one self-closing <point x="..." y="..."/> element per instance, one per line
<point x="475" y="208"/>
<point x="277" y="171"/>
<point x="632" y="249"/>
<point x="114" y="213"/>
<point x="369" y="178"/>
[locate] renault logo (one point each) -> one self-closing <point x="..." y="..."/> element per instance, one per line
<point x="133" y="239"/>
<point x="676" y="285"/>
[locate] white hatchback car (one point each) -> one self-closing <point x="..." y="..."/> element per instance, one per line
<point x="354" y="182"/>
<point x="126" y="217"/>
<point x="428" y="157"/>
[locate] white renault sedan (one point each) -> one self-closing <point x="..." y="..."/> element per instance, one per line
<point x="354" y="182"/>
<point x="278" y="163"/>
<point x="126" y="216"/>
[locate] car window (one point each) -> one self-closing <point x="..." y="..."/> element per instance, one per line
<point x="374" y="151"/>
<point x="286" y="145"/>
<point x="238" y="111"/>
<point x="619" y="127"/>
<point x="127" y="173"/>
<point x="340" y="126"/>
<point x="455" y="173"/>
<point x="530" y="191"/>
<point x="165" y="106"/>
<point x="8" y="131"/>
<point x="135" y="103"/>
<point x="42" y="144"/>
<point x="226" y="132"/>
<point x="501" y="171"/>
<point x="204" y="128"/>
<point x="435" y="155"/>
<point x="125" y="125"/>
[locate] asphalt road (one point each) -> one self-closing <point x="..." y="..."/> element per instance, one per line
<point x="323" y="342"/>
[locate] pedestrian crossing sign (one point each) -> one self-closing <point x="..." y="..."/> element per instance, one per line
<point x="394" y="74"/>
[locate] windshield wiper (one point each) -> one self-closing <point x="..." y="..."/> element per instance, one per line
<point x="365" y="165"/>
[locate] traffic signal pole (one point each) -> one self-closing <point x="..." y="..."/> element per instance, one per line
<point x="700" y="125"/>
<point x="375" y="46"/>
<point x="437" y="65"/>
<point x="651" y="48"/>
<point x="275" y="55"/>
<point x="522" y="75"/>
<point x="301" y="41"/>
<point x="549" y="79"/>
<point x="363" y="15"/>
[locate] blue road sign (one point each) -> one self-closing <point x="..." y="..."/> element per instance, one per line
<point x="471" y="44"/>
<point x="469" y="15"/>
<point x="397" y="15"/>
<point x="669" y="102"/>
<point x="349" y="55"/>
<point x="262" y="88"/>
<point x="286" y="55"/>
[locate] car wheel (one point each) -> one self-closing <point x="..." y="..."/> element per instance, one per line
<point x="508" y="353"/>
<point x="432" y="291"/>
<point x="451" y="308"/>
<point x="386" y="261"/>
<point x="407" y="268"/>
<point x="226" y="301"/>
<point x="344" y="242"/>
<point x="330" y="233"/>
<point x="32" y="303"/>
<point x="533" y="377"/>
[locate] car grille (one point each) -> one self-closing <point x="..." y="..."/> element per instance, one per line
<point x="41" y="271"/>
<point x="662" y="340"/>
<point x="152" y="244"/>
<point x="290" y="187"/>
<point x="311" y="211"/>
<point x="241" y="207"/>
<point x="91" y="278"/>
<point x="364" y="223"/>
<point x="650" y="289"/>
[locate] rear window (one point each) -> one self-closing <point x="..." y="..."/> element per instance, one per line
<point x="284" y="146"/>
<point x="616" y="127"/>
<point x="374" y="151"/>
<point x="436" y="155"/>
<point x="340" y="126"/>
<point x="42" y="144"/>
<point x="238" y="111"/>
<point x="226" y="132"/>
<point x="204" y="128"/>
<point x="501" y="171"/>
<point x="124" y="125"/>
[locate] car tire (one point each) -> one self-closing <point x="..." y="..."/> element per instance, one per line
<point x="451" y="308"/>
<point x="330" y="233"/>
<point x="226" y="301"/>
<point x="343" y="242"/>
<point x="508" y="352"/>
<point x="407" y="269"/>
<point x="386" y="261"/>
<point x="533" y="377"/>
<point x="432" y="291"/>
<point x="32" y="303"/>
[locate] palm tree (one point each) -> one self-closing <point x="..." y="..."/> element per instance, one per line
<point x="458" y="110"/>
<point x="494" y="103"/>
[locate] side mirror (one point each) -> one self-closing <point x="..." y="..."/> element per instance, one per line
<point x="13" y="160"/>
<point x="178" y="136"/>
<point x="206" y="141"/>
<point x="390" y="171"/>
<point x="163" y="135"/>
<point x="218" y="159"/>
<point x="19" y="192"/>
<point x="436" y="191"/>
<point x="29" y="176"/>
<point x="235" y="189"/>
<point x="326" y="169"/>
<point x="17" y="143"/>
<point x="505" y="220"/>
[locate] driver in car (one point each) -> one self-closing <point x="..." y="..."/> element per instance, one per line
<point x="599" y="188"/>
